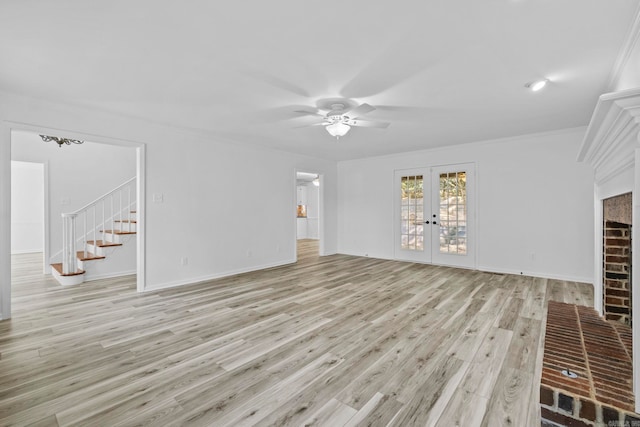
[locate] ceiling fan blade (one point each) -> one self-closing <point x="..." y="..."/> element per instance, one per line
<point x="287" y="112"/>
<point x="303" y="113"/>
<point x="360" y="110"/>
<point x="409" y="112"/>
<point x="276" y="82"/>
<point x="369" y="124"/>
<point x="379" y="76"/>
<point x="310" y="125"/>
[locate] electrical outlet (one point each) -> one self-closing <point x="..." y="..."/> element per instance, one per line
<point x="158" y="198"/>
<point x="184" y="260"/>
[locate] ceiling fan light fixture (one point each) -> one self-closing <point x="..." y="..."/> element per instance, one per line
<point x="338" y="129"/>
<point x="537" y="85"/>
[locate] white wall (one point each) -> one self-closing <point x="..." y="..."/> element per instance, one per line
<point x="313" y="211"/>
<point x="627" y="76"/>
<point x="533" y="198"/>
<point x="77" y="175"/>
<point x="205" y="214"/>
<point x="27" y="207"/>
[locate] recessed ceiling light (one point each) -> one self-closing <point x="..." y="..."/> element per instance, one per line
<point x="537" y="85"/>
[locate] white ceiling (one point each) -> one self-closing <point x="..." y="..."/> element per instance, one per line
<point x="442" y="72"/>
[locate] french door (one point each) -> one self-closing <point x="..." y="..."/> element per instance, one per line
<point x="434" y="215"/>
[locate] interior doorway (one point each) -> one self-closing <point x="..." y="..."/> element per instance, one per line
<point x="27" y="208"/>
<point x="80" y="176"/>
<point x="308" y="215"/>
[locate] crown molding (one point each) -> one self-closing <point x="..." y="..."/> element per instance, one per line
<point x="627" y="49"/>
<point x="613" y="134"/>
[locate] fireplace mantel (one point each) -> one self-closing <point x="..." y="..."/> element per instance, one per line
<point x="613" y="134"/>
<point x="612" y="147"/>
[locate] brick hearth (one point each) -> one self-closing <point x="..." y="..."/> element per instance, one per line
<point x="599" y="352"/>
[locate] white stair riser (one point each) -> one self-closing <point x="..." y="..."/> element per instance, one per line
<point x="111" y="237"/>
<point x="125" y="226"/>
<point x="96" y="250"/>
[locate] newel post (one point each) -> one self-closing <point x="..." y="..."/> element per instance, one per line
<point x="69" y="243"/>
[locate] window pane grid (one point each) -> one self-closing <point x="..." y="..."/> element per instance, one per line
<point x="411" y="234"/>
<point x="453" y="213"/>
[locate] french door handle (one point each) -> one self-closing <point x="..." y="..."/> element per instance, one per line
<point x="434" y="223"/>
<point x="426" y="222"/>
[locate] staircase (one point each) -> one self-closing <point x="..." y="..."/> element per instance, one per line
<point x="95" y="233"/>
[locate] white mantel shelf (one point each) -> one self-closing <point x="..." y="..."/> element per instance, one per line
<point x="613" y="134"/>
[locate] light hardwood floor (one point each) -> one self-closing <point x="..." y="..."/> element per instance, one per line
<point x="332" y="341"/>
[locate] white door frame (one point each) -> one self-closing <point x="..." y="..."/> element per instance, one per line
<point x="6" y="127"/>
<point x="430" y="254"/>
<point x="321" y="215"/>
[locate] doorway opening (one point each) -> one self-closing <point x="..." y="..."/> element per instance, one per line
<point x="73" y="175"/>
<point x="27" y="208"/>
<point x="308" y="216"/>
<point x="28" y="217"/>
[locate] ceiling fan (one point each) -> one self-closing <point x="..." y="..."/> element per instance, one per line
<point x="342" y="117"/>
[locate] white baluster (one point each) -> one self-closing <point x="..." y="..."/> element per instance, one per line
<point x="104" y="207"/>
<point x="95" y="225"/>
<point x="84" y="236"/>
<point x="120" y="209"/>
<point x="129" y="207"/>
<point x="112" y="214"/>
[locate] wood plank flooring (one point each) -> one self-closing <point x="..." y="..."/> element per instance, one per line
<point x="333" y="341"/>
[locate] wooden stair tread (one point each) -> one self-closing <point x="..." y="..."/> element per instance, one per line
<point x="118" y="232"/>
<point x="103" y="243"/>
<point x="89" y="256"/>
<point x="58" y="268"/>
<point x="130" y="221"/>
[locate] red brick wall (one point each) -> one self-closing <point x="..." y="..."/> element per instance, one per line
<point x="617" y="272"/>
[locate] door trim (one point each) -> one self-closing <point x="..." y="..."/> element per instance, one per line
<point x="472" y="209"/>
<point x="6" y="127"/>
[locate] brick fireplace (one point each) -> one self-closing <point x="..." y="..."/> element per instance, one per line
<point x="587" y="374"/>
<point x="611" y="146"/>
<point x="616" y="262"/>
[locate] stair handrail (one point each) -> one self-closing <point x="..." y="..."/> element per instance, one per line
<point x="115" y="190"/>
<point x="69" y="241"/>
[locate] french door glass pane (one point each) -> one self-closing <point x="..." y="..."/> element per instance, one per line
<point x="453" y="213"/>
<point x="412" y="229"/>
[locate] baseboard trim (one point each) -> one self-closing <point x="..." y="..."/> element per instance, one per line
<point x="201" y="279"/>
<point x="91" y="278"/>
<point x="588" y="280"/>
<point x="27" y="251"/>
<point x="486" y="269"/>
